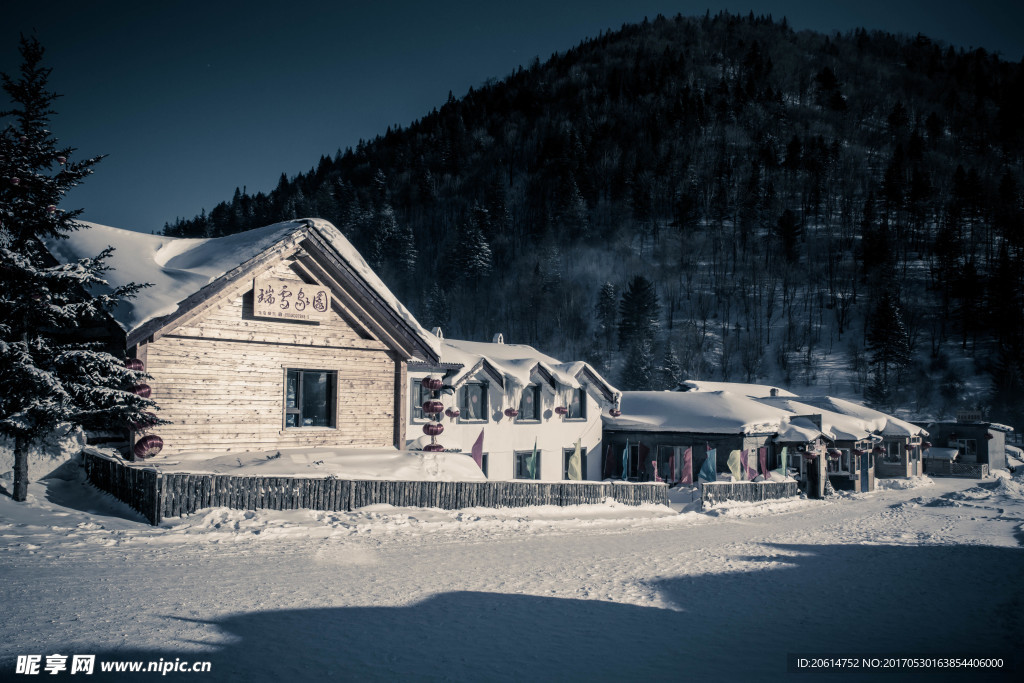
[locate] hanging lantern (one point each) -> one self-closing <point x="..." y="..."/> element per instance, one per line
<point x="858" y="452"/>
<point x="432" y="406"/>
<point x="926" y="445"/>
<point x="835" y="453"/>
<point x="15" y="180"/>
<point x="142" y="390"/>
<point x="434" y="448"/>
<point x="615" y="412"/>
<point x="62" y="160"/>
<point x="511" y="412"/>
<point x="431" y="383"/>
<point x="433" y="429"/>
<point x="878" y="450"/>
<point x="989" y="436"/>
<point x="561" y="410"/>
<point x="135" y="364"/>
<point x="148" y="446"/>
<point x="453" y="413"/>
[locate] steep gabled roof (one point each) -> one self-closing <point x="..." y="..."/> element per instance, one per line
<point x="514" y="365"/>
<point x="187" y="273"/>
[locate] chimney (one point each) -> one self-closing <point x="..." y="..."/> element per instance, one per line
<point x="437" y="333"/>
<point x="498" y="339"/>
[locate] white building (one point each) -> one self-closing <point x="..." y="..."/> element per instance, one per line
<point x="519" y="398"/>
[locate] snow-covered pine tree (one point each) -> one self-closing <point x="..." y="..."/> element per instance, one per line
<point x="889" y="344"/>
<point x="670" y="370"/>
<point x="639" y="313"/>
<point x="49" y="372"/>
<point x="638" y="369"/>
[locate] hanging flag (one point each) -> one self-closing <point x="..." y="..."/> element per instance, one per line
<point x="686" y="475"/>
<point x="744" y="461"/>
<point x="708" y="471"/>
<point x="574" y="463"/>
<point x="781" y="471"/>
<point x="751" y="468"/>
<point x="531" y="464"/>
<point x="642" y="452"/>
<point x="625" y="461"/>
<point x="734" y="465"/>
<point x="478" y="451"/>
<point x="762" y="455"/>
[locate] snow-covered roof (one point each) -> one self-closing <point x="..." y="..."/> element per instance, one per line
<point x="516" y="363"/>
<point x="874" y="420"/>
<point x="706" y="412"/>
<point x="180" y="267"/>
<point x="751" y="390"/>
<point x="834" y="425"/>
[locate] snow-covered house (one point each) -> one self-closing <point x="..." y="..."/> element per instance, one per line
<point x="520" y="400"/>
<point x="656" y="426"/>
<point x="279" y="337"/>
<point x="974" y="440"/>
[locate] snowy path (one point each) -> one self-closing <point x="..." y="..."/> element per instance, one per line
<point x="600" y="593"/>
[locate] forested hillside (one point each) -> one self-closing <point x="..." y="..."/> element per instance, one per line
<point x="716" y="197"/>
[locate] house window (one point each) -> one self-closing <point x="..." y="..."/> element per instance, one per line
<point x="968" y="449"/>
<point x="522" y="465"/>
<point x="840" y="465"/>
<point x="529" y="404"/>
<point x="892" y="452"/>
<point x="419" y="395"/>
<point x="484" y="465"/>
<point x="567" y="455"/>
<point x="310" y="398"/>
<point x="577" y="405"/>
<point x="473" y="401"/>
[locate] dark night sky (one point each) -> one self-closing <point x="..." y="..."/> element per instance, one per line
<point x="192" y="99"/>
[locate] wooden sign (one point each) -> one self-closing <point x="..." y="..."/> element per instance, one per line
<point x="290" y="300"/>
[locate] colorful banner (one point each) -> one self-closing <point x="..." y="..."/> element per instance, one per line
<point x="478" y="451"/>
<point x="574" y="463"/>
<point x="734" y="465"/>
<point x="708" y="471"/>
<point x="686" y="475"/>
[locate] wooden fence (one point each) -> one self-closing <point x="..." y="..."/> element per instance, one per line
<point x="158" y="495"/>
<point x="946" y="468"/>
<point x="714" y="492"/>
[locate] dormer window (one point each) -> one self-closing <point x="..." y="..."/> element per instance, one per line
<point x="473" y="401"/>
<point x="529" y="404"/>
<point x="577" y="405"/>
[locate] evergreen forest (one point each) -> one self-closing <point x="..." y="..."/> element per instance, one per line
<point x="719" y="197"/>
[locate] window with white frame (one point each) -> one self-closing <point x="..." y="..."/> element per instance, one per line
<point x="526" y="465"/>
<point x="968" y="449"/>
<point x="577" y="405"/>
<point x="310" y="398"/>
<point x="418" y="395"/>
<point x="473" y="401"/>
<point x="529" y="404"/>
<point x="567" y="454"/>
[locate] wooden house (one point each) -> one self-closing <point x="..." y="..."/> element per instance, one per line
<point x="280" y="337"/>
<point x="518" y="402"/>
<point x="975" y="441"/>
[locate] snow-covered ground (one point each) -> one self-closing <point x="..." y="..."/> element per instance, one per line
<point x="605" y="592"/>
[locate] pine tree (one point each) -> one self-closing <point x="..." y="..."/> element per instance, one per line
<point x="639" y="313"/>
<point x="48" y="374"/>
<point x="889" y="344"/>
<point x="670" y="370"/>
<point x="638" y="370"/>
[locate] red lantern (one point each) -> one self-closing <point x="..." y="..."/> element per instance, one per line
<point x="835" y="453"/>
<point x="561" y="410"/>
<point x="432" y="406"/>
<point x="148" y="446"/>
<point x="142" y="390"/>
<point x="135" y="364"/>
<point x="511" y="412"/>
<point x="433" y="429"/>
<point x="434" y="447"/>
<point x="62" y="160"/>
<point x="453" y="413"/>
<point x="615" y="412"/>
<point x="878" y="450"/>
<point x="926" y="445"/>
<point x="989" y="436"/>
<point x="431" y="383"/>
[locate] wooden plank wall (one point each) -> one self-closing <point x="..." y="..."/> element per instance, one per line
<point x="219" y="379"/>
<point x="712" y="493"/>
<point x="158" y="496"/>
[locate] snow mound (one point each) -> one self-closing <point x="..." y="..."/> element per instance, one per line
<point x="908" y="483"/>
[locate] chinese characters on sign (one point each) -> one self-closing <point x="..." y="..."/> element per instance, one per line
<point x="290" y="300"/>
